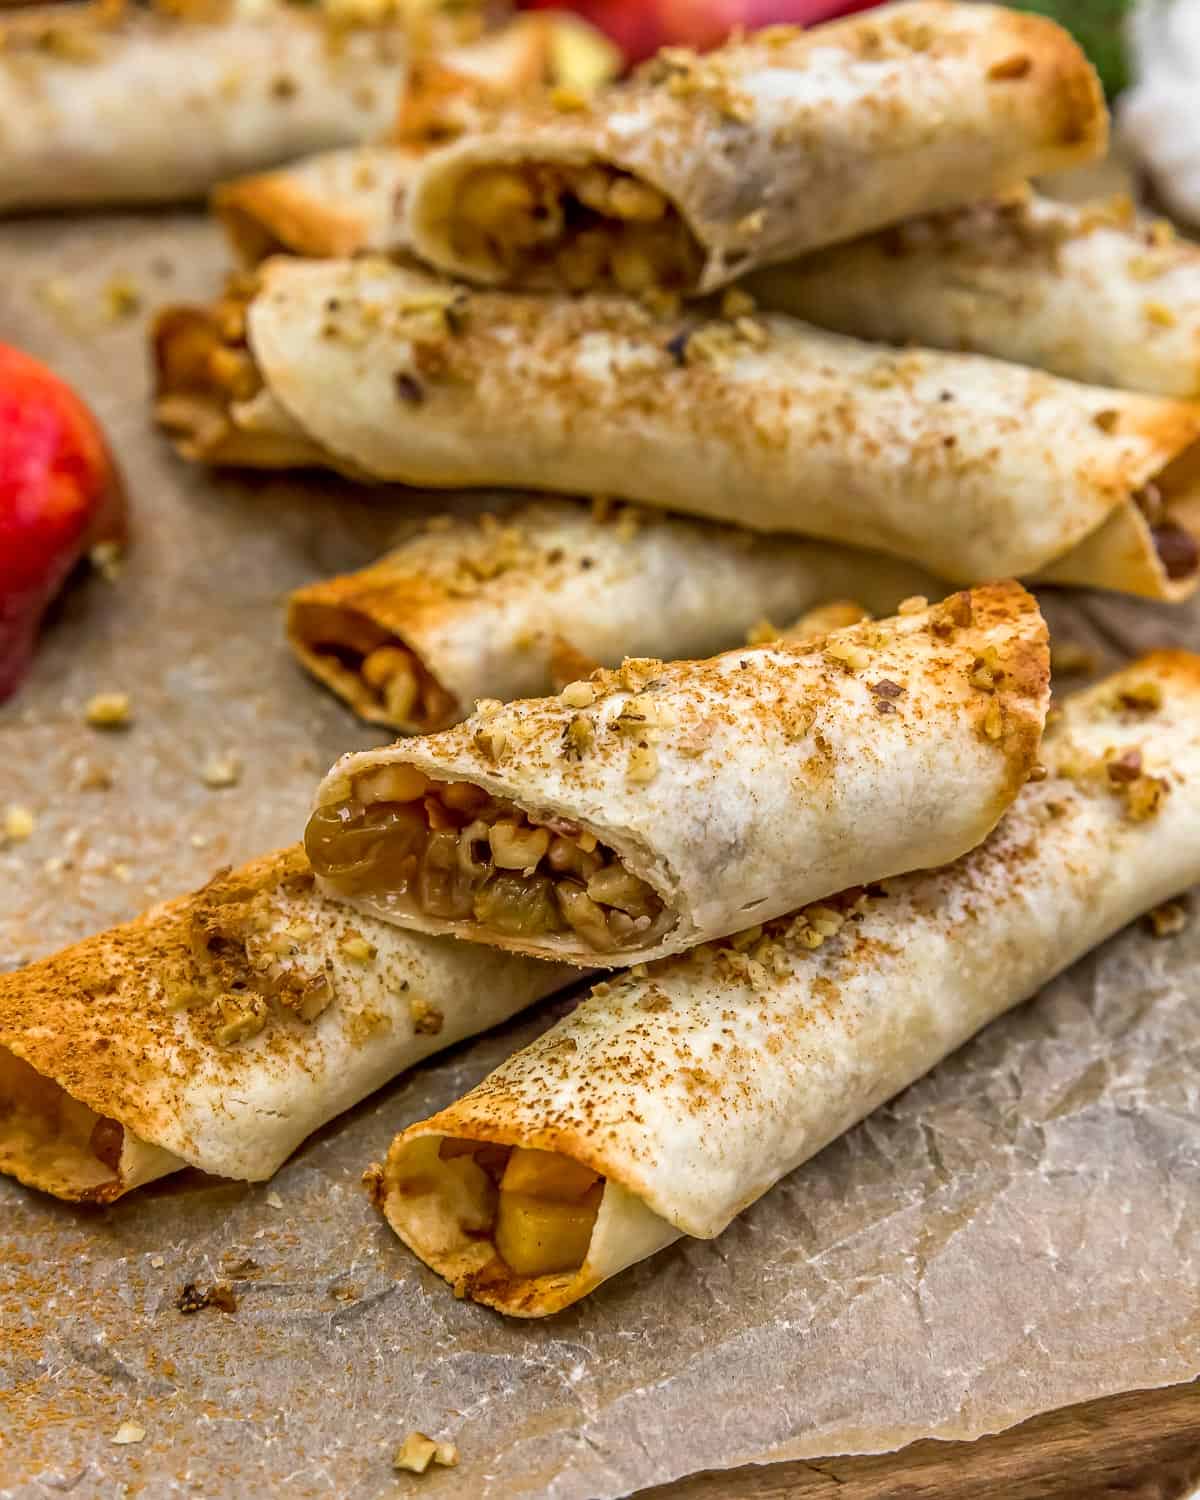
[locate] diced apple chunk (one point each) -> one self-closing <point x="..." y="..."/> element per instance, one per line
<point x="536" y="1237"/>
<point x="546" y="1174"/>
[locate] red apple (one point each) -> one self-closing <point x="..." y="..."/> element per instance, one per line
<point x="60" y="495"/>
<point x="641" y="27"/>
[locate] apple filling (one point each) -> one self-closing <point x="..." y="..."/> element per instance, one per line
<point x="541" y="1206"/>
<point x="42" y="1125"/>
<point x="374" y="670"/>
<point x="573" y="227"/>
<point x="452" y="851"/>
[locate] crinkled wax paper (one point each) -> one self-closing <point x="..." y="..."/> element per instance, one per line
<point x="1017" y="1232"/>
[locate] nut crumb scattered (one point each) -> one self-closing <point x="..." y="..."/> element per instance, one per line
<point x="19" y="823"/>
<point x="221" y="770"/>
<point x="108" y="559"/>
<point x="427" y="1019"/>
<point x="109" y="711"/>
<point x="417" y="1452"/>
<point x="1168" y="919"/>
<point x="157" y="1262"/>
<point x="194" y="1299"/>
<point x="274" y="1200"/>
<point x="912" y="605"/>
<point x="129" y="1432"/>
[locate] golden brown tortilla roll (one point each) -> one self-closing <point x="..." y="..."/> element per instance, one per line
<point x="647" y="810"/>
<point x="968" y="466"/>
<point x="705" y="167"/>
<point x="516" y="605"/>
<point x="673" y="1098"/>
<point x="221" y="1029"/>
<point x="1092" y="292"/>
<point x="112" y="105"/>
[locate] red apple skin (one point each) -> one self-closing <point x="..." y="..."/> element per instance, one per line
<point x="641" y="27"/>
<point x="60" y="495"/>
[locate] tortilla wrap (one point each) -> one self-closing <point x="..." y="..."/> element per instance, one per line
<point x="517" y="605"/>
<point x="646" y="810"/>
<point x="1093" y="293"/>
<point x="106" y="106"/>
<point x="219" y="1030"/>
<point x="341" y="202"/>
<point x="692" y="1088"/>
<point x="703" y="168"/>
<point x="964" y="465"/>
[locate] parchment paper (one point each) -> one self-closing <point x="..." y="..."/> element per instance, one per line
<point x="1018" y="1232"/>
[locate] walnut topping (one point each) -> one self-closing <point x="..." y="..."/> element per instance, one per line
<point x="427" y="1019"/>
<point x="643" y="763"/>
<point x="578" y="695"/>
<point x="954" y="613"/>
<point x="913" y="605"/>
<point x="993" y="720"/>
<point x="1144" y="797"/>
<point x="357" y="949"/>
<point x="129" y="1432"/>
<point x="1168" y="919"/>
<point x="1070" y="659"/>
<point x="242" y="1017"/>
<point x="1140" y="698"/>
<point x="737" y="304"/>
<point x="1127" y="767"/>
<point x="849" y="654"/>
<point x="578" y="737"/>
<point x="762" y="633"/>
<point x="417" y="1452"/>
<point x="1107" y="419"/>
<point x="492" y="742"/>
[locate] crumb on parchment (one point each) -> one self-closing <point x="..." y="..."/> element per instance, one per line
<point x="109" y="711"/>
<point x="417" y="1452"/>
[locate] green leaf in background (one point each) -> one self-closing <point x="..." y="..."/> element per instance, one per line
<point x="1099" y="28"/>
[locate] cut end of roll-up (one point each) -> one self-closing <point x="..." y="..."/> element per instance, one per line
<point x="1150" y="543"/>
<point x="209" y="394"/>
<point x="525" y="1229"/>
<point x="654" y="807"/>
<point x="703" y="167"/>
<point x="53" y="1142"/>
<point x="376" y="671"/>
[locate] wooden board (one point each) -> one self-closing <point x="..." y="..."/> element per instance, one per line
<point x="1142" y="1445"/>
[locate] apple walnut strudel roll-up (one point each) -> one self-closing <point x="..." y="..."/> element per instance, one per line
<point x="649" y="809"/>
<point x="517" y="605"/>
<point x="219" y="1030"/>
<point x="671" y="1099"/>
<point x="103" y="105"/>
<point x="703" y="168"/>
<point x="1094" y="293"/>
<point x="968" y="466"/>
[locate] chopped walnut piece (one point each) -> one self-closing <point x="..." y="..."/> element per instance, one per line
<point x="417" y="1452"/>
<point x="427" y="1019"/>
<point x="762" y="633"/>
<point x="1144" y="797"/>
<point x="578" y="695"/>
<point x="993" y="720"/>
<point x="643" y="763"/>
<point x="19" y="823"/>
<point x="913" y="605"/>
<point x="357" y="949"/>
<point x="849" y="654"/>
<point x="492" y="742"/>
<point x="108" y="711"/>
<point x="1127" y="767"/>
<point x="1168" y="919"/>
<point x="129" y="1432"/>
<point x="221" y="771"/>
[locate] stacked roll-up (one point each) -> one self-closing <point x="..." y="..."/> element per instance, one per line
<point x="675" y="1096"/>
<point x="967" y="465"/>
